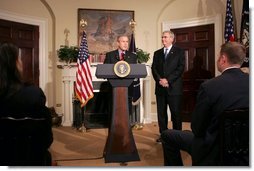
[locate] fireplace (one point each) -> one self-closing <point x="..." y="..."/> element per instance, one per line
<point x="68" y="100"/>
<point x="96" y="113"/>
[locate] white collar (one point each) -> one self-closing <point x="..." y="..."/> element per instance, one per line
<point x="169" y="48"/>
<point x="230" y="68"/>
<point x="120" y="51"/>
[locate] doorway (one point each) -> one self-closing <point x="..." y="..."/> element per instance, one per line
<point x="26" y="37"/>
<point x="198" y="44"/>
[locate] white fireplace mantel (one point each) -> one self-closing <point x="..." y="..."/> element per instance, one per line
<point x="69" y="77"/>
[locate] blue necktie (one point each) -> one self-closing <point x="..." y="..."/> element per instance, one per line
<point x="166" y="53"/>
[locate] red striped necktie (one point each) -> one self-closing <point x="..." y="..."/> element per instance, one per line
<point x="122" y="56"/>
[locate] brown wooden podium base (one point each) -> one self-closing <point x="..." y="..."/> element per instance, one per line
<point x="120" y="146"/>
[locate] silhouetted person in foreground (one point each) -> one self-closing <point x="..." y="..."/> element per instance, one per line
<point x="19" y="99"/>
<point x="228" y="91"/>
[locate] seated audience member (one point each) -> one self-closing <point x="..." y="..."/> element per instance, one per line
<point x="19" y="99"/>
<point x="228" y="91"/>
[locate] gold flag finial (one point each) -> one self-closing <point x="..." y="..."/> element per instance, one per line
<point x="83" y="24"/>
<point x="132" y="24"/>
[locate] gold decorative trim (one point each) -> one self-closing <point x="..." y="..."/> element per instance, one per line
<point x="122" y="69"/>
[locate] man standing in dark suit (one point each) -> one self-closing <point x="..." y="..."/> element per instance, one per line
<point x="167" y="69"/>
<point x="228" y="91"/>
<point x="122" y="53"/>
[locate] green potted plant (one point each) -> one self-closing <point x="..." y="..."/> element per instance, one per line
<point x="142" y="56"/>
<point x="68" y="54"/>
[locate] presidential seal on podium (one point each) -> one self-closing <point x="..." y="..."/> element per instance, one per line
<point x="122" y="69"/>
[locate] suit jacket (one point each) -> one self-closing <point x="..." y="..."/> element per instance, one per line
<point x="113" y="57"/>
<point x="172" y="69"/>
<point x="225" y="92"/>
<point x="29" y="101"/>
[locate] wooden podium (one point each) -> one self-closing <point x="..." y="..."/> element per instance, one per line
<point x="120" y="145"/>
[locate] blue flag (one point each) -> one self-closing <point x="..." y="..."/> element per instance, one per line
<point x="136" y="83"/>
<point x="245" y="34"/>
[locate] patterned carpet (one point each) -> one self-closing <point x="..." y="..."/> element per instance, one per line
<point x="76" y="148"/>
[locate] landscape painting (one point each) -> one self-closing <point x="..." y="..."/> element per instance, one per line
<point x="103" y="27"/>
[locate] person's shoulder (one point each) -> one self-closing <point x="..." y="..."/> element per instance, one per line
<point x="177" y="48"/>
<point x="32" y="89"/>
<point x="216" y="82"/>
<point x="111" y="52"/>
<point x="159" y="50"/>
<point x="131" y="53"/>
<point x="31" y="86"/>
<point x="31" y="94"/>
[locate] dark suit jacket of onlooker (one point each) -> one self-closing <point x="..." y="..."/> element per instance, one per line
<point x="227" y="91"/>
<point x="113" y="57"/>
<point x="171" y="69"/>
<point x="29" y="101"/>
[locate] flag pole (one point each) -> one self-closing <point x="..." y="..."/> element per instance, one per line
<point x="82" y="128"/>
<point x="132" y="48"/>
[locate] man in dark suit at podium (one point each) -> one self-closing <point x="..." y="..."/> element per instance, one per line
<point x="123" y="150"/>
<point x="122" y="53"/>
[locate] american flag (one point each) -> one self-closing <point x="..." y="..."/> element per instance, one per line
<point x="84" y="86"/>
<point x="229" y="23"/>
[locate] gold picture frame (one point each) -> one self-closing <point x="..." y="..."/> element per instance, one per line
<point x="103" y="27"/>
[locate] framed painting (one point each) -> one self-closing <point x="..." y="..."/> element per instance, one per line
<point x="103" y="27"/>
